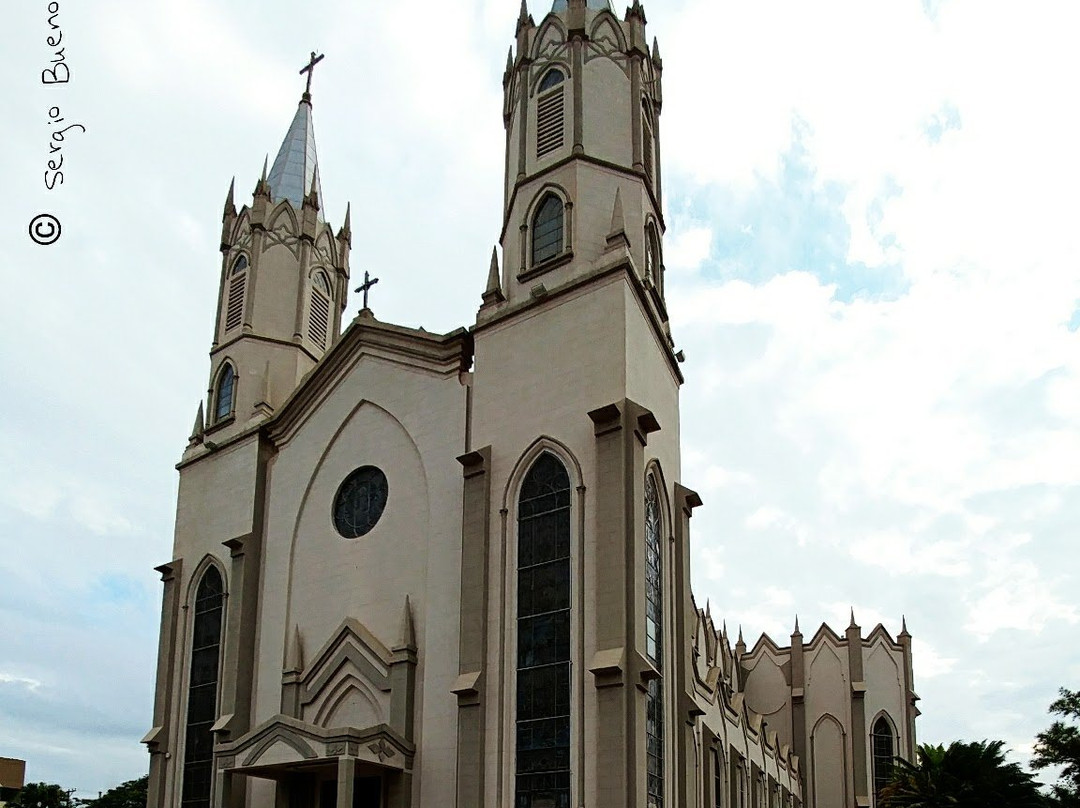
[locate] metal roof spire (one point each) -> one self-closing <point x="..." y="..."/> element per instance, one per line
<point x="295" y="169"/>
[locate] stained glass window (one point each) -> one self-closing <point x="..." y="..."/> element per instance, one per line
<point x="654" y="701"/>
<point x="202" y="690"/>
<point x="223" y="403"/>
<point x="547" y="229"/>
<point x="718" y="780"/>
<point x="360" y="501"/>
<point x="553" y="77"/>
<point x="543" y="631"/>
<point x="883" y="754"/>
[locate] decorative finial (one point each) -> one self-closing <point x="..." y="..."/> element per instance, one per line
<point x="266" y="162"/>
<point x="408" y="628"/>
<point x="510" y="59"/>
<point x="345" y="233"/>
<point x="796" y="631"/>
<point x="312" y="198"/>
<point x="741" y="642"/>
<point x="618" y="221"/>
<point x="199" y="429"/>
<point x="310" y="70"/>
<point x="524" y="13"/>
<point x="903" y="626"/>
<point x="230" y="204"/>
<point x="294" y="654"/>
<point x="853" y="624"/>
<point x="655" y="50"/>
<point x="494" y="293"/>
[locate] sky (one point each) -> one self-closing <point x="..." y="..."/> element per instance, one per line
<point x="872" y="268"/>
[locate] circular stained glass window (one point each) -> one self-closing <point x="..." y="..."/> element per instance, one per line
<point x="360" y="502"/>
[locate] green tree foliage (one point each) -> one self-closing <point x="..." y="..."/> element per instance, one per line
<point x="47" y="795"/>
<point x="1060" y="746"/>
<point x="131" y="794"/>
<point x="963" y="775"/>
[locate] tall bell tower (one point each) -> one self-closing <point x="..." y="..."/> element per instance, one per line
<point x="582" y="96"/>
<point x="575" y="683"/>
<point x="283" y="286"/>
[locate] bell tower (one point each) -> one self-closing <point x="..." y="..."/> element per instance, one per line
<point x="582" y="95"/>
<point x="283" y="286"/>
<point x="575" y="683"/>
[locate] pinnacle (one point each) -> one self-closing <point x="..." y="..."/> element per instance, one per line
<point x="493" y="293"/>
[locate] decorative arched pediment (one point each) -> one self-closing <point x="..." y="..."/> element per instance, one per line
<point x="241" y="230"/>
<point x="607" y="33"/>
<point x="283" y="215"/>
<point x="550" y="39"/>
<point x="354" y="648"/>
<point x="348" y="702"/>
<point x="281" y="745"/>
<point x="326" y="247"/>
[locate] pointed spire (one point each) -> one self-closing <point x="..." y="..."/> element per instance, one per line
<point x="294" y="174"/>
<point x="796" y="632"/>
<point x="617" y="235"/>
<point x="655" y="50"/>
<point x="345" y="233"/>
<point x="523" y="14"/>
<point x="230" y="201"/>
<point x="509" y="59"/>
<point x="199" y="428"/>
<point x="294" y="652"/>
<point x="264" y="406"/>
<point x="312" y="198"/>
<point x="407" y="633"/>
<point x="903" y="626"/>
<point x="262" y="187"/>
<point x="494" y="293"/>
<point x="853" y="624"/>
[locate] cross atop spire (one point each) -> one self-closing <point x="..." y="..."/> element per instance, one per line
<point x="310" y="70"/>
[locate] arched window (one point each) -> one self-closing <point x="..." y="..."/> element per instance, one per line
<point x="203" y="690"/>
<point x="319" y="310"/>
<point x="547" y="229"/>
<point x="234" y="306"/>
<point x="654" y="647"/>
<point x="550" y="116"/>
<point x="551" y="78"/>
<point x="884" y="753"/>
<point x="223" y="395"/>
<point x="652" y="256"/>
<point x="543" y="637"/>
<point x="648" y="145"/>
<point x="741" y="775"/>
<point x="718" y="780"/>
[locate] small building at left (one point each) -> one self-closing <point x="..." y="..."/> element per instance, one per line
<point x="12" y="778"/>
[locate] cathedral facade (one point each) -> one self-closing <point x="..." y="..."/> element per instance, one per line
<point x="453" y="570"/>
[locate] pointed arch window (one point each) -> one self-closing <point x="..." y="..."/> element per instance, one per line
<point x="543" y="637"/>
<point x="652" y="256"/>
<point x="234" y="305"/>
<point x="203" y="690"/>
<point x="884" y="753"/>
<point x="547" y="229"/>
<point x="718" y="780"/>
<point x="654" y="648"/>
<point x="224" y="392"/>
<point x="550" y="112"/>
<point x="648" y="145"/>
<point x="319" y="310"/>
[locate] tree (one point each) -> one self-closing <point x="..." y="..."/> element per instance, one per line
<point x="1060" y="746"/>
<point x="963" y="775"/>
<point x="131" y="794"/>
<point x="47" y="795"/>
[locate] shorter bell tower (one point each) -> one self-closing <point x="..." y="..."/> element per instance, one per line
<point x="283" y="287"/>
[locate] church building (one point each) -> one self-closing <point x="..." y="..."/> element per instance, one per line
<point x="418" y="570"/>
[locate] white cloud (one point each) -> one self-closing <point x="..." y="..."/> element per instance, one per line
<point x="1016" y="596"/>
<point x="23" y="681"/>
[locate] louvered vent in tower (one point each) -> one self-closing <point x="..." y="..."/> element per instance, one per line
<point x="549" y="122"/>
<point x="234" y="309"/>
<point x="319" y="319"/>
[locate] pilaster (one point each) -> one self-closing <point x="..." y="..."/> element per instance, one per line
<point x="858" y="714"/>
<point x="157" y="739"/>
<point x="472" y="650"/>
<point x="687" y="710"/>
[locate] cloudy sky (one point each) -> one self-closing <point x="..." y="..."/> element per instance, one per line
<point x="873" y="270"/>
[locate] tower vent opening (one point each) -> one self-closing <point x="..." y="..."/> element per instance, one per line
<point x="549" y="122"/>
<point x="318" y="319"/>
<point x="234" y="310"/>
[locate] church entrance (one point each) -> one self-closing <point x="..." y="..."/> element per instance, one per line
<point x="367" y="793"/>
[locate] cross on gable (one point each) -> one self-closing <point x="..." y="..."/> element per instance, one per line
<point x="310" y="69"/>
<point x="365" y="287"/>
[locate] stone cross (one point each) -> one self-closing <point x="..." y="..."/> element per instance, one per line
<point x="310" y="69"/>
<point x="366" y="286"/>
